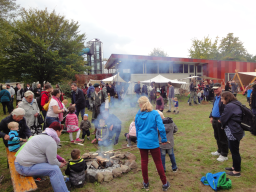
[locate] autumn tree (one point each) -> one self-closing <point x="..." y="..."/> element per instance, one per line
<point x="45" y="47"/>
<point x="158" y="53"/>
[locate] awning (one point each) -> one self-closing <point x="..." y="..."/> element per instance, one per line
<point x="116" y="78"/>
<point x="162" y="79"/>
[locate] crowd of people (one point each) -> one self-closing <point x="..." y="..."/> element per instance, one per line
<point x="150" y="130"/>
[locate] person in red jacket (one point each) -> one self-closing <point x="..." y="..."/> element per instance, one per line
<point x="45" y="95"/>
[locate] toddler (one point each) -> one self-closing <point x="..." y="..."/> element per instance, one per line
<point x="176" y="105"/>
<point x="159" y="101"/>
<point x="102" y="134"/>
<point x="14" y="142"/>
<point x="72" y="124"/>
<point x="170" y="129"/>
<point x="64" y="103"/>
<point x="131" y="136"/>
<point x="76" y="169"/>
<point x="85" y="125"/>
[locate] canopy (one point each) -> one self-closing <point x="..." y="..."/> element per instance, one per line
<point x="116" y="78"/>
<point x="245" y="78"/>
<point x="162" y="79"/>
<point x="211" y="78"/>
<point x="93" y="82"/>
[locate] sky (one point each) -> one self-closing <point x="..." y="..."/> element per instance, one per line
<point x="137" y="26"/>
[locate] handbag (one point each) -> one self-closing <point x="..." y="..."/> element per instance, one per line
<point x="40" y="119"/>
<point x="46" y="106"/>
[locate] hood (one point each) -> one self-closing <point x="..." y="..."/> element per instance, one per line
<point x="143" y="114"/>
<point x="77" y="165"/>
<point x="25" y="101"/>
<point x="236" y="102"/>
<point x="167" y="120"/>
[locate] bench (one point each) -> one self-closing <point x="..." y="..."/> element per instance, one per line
<point x="19" y="182"/>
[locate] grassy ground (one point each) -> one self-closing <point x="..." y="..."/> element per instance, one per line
<point x="194" y="142"/>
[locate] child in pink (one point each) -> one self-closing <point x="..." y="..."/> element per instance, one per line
<point x="72" y="124"/>
<point x="131" y="136"/>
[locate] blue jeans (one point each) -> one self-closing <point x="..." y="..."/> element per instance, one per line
<point x="45" y="169"/>
<point x="50" y="120"/>
<point x="104" y="143"/>
<point x="171" y="155"/>
<point x="82" y="112"/>
<point x="116" y="130"/>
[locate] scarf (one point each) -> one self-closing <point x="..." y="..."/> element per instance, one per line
<point x="51" y="132"/>
<point x="60" y="106"/>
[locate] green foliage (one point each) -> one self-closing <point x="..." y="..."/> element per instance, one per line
<point x="230" y="48"/>
<point x="45" y="47"/>
<point x="158" y="53"/>
<point x="7" y="9"/>
<point x="65" y="88"/>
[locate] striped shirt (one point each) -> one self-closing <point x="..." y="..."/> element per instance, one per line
<point x="71" y="119"/>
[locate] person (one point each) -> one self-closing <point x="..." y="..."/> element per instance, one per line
<point x="170" y="96"/>
<point x="44" y="161"/>
<point x="176" y="105"/>
<point x="152" y="93"/>
<point x="76" y="169"/>
<point x="147" y="121"/>
<point x="227" y="86"/>
<point x="111" y="91"/>
<point x="78" y="100"/>
<point x="206" y="91"/>
<point x="12" y="93"/>
<point x="5" y="99"/>
<point x="38" y="90"/>
<point x="85" y="125"/>
<point x="89" y="91"/>
<point x="65" y="103"/>
<point x="57" y="86"/>
<point x="219" y="133"/>
<point x="14" y="141"/>
<point x="159" y="101"/>
<point x="45" y="97"/>
<point x="131" y="136"/>
<point x="253" y="107"/>
<point x="30" y="106"/>
<point x="170" y="129"/>
<point x="234" y="87"/>
<point x="84" y="89"/>
<point x="19" y="94"/>
<point x="17" y="115"/>
<point x="28" y="88"/>
<point x="144" y="90"/>
<point x="249" y="92"/>
<point x="119" y="90"/>
<point x="199" y="94"/>
<point x="97" y="99"/>
<point x="72" y="125"/>
<point x="192" y="89"/>
<point x="102" y="134"/>
<point x="55" y="110"/>
<point x="137" y="89"/>
<point x="163" y="92"/>
<point x="230" y="120"/>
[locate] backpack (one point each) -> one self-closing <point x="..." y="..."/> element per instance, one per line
<point x="247" y="118"/>
<point x="217" y="181"/>
<point x="38" y="100"/>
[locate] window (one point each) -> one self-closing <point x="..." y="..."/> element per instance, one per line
<point x="151" y="68"/>
<point x="177" y="68"/>
<point x="191" y="68"/>
<point x="199" y="69"/>
<point x="185" y="68"/>
<point x="163" y="67"/>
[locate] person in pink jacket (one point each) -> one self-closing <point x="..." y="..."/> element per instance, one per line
<point x="159" y="101"/>
<point x="131" y="136"/>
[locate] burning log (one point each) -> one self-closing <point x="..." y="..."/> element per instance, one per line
<point x="103" y="162"/>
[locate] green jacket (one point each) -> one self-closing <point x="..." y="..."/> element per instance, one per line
<point x="5" y="96"/>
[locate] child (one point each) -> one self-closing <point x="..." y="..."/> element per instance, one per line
<point x="14" y="142"/>
<point x="159" y="101"/>
<point x="176" y="105"/>
<point x="85" y="125"/>
<point x="76" y="169"/>
<point x="64" y="103"/>
<point x="131" y="136"/>
<point x="249" y="91"/>
<point x="72" y="124"/>
<point x="102" y="134"/>
<point x="170" y="128"/>
<point x="199" y="94"/>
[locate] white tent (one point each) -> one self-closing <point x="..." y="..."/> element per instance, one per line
<point x="162" y="79"/>
<point x="245" y="78"/>
<point x="116" y="78"/>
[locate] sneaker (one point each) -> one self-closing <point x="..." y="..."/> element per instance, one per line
<point x="88" y="138"/>
<point x="229" y="169"/>
<point x="174" y="111"/>
<point x="145" y="186"/>
<point x="215" y="153"/>
<point x="72" y="141"/>
<point x="168" y="111"/>
<point x="222" y="158"/>
<point x="234" y="174"/>
<point x="175" y="170"/>
<point x="166" y="186"/>
<point x="128" y="145"/>
<point x="79" y="140"/>
<point x="190" y="104"/>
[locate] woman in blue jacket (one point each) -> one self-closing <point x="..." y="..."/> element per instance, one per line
<point x="5" y="99"/>
<point x="147" y="121"/>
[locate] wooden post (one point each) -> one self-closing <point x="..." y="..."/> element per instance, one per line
<point x="239" y="79"/>
<point x="253" y="80"/>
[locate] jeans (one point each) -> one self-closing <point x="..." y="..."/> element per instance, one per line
<point x="44" y="114"/>
<point x="234" y="149"/>
<point x="170" y="152"/>
<point x="82" y="112"/>
<point x="221" y="138"/>
<point x="85" y="132"/>
<point x="112" y="101"/>
<point x="170" y="102"/>
<point x="45" y="169"/>
<point x="116" y="130"/>
<point x="193" y="96"/>
<point x="104" y="143"/>
<point x="50" y="120"/>
<point x="157" y="160"/>
<point x="6" y="104"/>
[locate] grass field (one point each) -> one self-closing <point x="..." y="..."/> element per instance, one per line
<point x="194" y="143"/>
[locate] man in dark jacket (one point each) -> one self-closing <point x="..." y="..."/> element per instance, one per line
<point x="28" y="88"/>
<point x="219" y="133"/>
<point x="38" y="90"/>
<point x="137" y="89"/>
<point x="78" y="100"/>
<point x="17" y="116"/>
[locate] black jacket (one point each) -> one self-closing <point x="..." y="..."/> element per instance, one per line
<point x="76" y="171"/>
<point x="232" y="117"/>
<point x="80" y="99"/>
<point x="24" y="131"/>
<point x="39" y="90"/>
<point x="111" y="91"/>
<point x="221" y="107"/>
<point x="26" y="89"/>
<point x="137" y="88"/>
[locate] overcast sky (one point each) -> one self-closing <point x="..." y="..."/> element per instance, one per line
<point x="137" y="26"/>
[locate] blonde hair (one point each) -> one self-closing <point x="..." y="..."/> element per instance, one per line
<point x="145" y="104"/>
<point x="4" y="87"/>
<point x="28" y="93"/>
<point x="161" y="114"/>
<point x="65" y="101"/>
<point x="12" y="125"/>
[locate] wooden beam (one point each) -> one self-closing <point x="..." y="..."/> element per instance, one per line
<point x="240" y="80"/>
<point x="253" y="79"/>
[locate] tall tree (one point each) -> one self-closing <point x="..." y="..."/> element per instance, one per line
<point x="158" y="53"/>
<point x="45" y="47"/>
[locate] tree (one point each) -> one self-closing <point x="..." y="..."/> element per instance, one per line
<point x="204" y="49"/>
<point x="158" y="53"/>
<point x="45" y="47"/>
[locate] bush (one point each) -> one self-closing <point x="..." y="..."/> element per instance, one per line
<point x="65" y="88"/>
